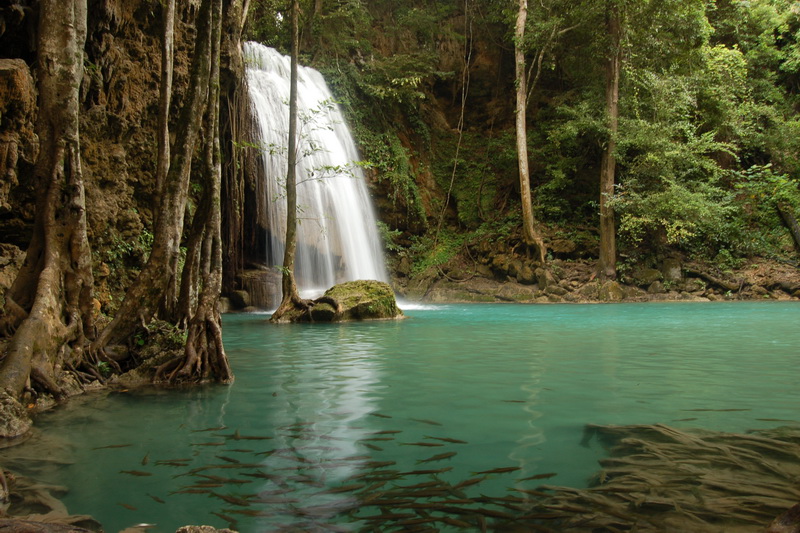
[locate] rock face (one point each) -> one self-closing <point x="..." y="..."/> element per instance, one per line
<point x="352" y="300"/>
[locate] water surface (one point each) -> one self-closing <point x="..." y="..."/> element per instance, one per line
<point x="315" y="407"/>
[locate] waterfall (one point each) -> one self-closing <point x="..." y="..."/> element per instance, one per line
<point x="337" y="235"/>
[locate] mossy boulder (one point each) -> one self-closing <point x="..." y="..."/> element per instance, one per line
<point x="352" y="300"/>
<point x="357" y="300"/>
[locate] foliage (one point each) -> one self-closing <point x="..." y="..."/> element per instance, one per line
<point x="428" y="252"/>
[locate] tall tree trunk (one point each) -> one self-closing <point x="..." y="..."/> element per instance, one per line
<point x="234" y="118"/>
<point x="165" y="95"/>
<point x="148" y="292"/>
<point x="607" y="266"/>
<point x="204" y="355"/>
<point x="290" y="298"/>
<point x="530" y="227"/>
<point x="51" y="299"/>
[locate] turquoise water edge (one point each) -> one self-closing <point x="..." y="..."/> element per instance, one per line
<point x="449" y="393"/>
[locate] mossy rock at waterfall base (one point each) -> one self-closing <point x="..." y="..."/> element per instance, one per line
<point x="352" y="300"/>
<point x="363" y="300"/>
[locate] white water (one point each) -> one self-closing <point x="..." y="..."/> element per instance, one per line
<point x="338" y="238"/>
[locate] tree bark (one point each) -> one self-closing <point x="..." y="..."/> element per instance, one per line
<point x="53" y="292"/>
<point x="290" y="297"/>
<point x="204" y="355"/>
<point x="165" y="95"/>
<point x="234" y="119"/>
<point x="530" y="227"/>
<point x="789" y="219"/>
<point x="607" y="266"/>
<point x="150" y="289"/>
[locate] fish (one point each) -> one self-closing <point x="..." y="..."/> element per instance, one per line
<point x="249" y="512"/>
<point x="716" y="410"/>
<point x="424" y="485"/>
<point x="372" y="446"/>
<point x="470" y="482"/>
<point x="206" y="444"/>
<point x="156" y="499"/>
<point x="343" y="488"/>
<point x="192" y="491"/>
<point x="425" y="421"/>
<point x="386" y="432"/>
<point x="112" y="446"/>
<point x="775" y="420"/>
<point x="450" y="521"/>
<point x="447" y="439"/>
<point x="438" y="457"/>
<point x="219" y="479"/>
<point x="388" y="516"/>
<point x="539" y="476"/>
<point x="217" y="428"/>
<point x="684" y="419"/>
<point x="228" y="459"/>
<point x="424" y="472"/>
<point x="379" y="464"/>
<point x="515" y="401"/>
<point x="126" y="506"/>
<point x="229" y="519"/>
<point x="238" y="436"/>
<point x="146" y="459"/>
<point x="376" y="439"/>
<point x="135" y="472"/>
<point x="502" y="470"/>
<point x="537" y="493"/>
<point x="380" y="415"/>
<point x="172" y="463"/>
<point x="241" y="450"/>
<point x="233" y="500"/>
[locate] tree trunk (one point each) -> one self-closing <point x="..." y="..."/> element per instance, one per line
<point x="151" y="287"/>
<point x="530" y="227"/>
<point x="234" y="119"/>
<point x="52" y="296"/>
<point x="789" y="219"/>
<point x="290" y="298"/>
<point x="607" y="266"/>
<point x="204" y="355"/>
<point x="165" y="96"/>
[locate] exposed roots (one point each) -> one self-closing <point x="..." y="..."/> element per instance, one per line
<point x="204" y="356"/>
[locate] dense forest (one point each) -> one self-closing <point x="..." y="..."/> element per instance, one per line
<point x="551" y="151"/>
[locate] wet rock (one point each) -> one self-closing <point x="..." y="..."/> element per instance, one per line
<point x="240" y="299"/>
<point x="671" y="268"/>
<point x="556" y="290"/>
<point x="647" y="276"/>
<point x="545" y="278"/>
<point x="403" y="267"/>
<point x="354" y="300"/>
<point x="611" y="291"/>
<point x="224" y="304"/>
<point x="14" y="420"/>
<point x="563" y="246"/>
<point x="656" y="287"/>
<point x="788" y="522"/>
<point x="527" y="275"/>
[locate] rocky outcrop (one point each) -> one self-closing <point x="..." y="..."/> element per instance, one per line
<point x="352" y="300"/>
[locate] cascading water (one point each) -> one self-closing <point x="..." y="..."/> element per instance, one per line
<point x="337" y="235"/>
